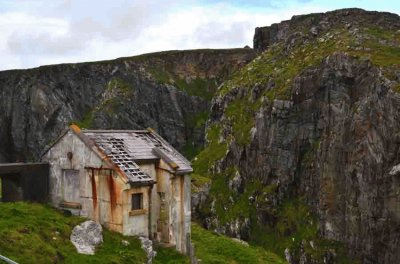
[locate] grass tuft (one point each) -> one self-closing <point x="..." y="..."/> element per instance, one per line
<point x="212" y="248"/>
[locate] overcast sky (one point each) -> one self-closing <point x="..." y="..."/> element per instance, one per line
<point x="40" y="32"/>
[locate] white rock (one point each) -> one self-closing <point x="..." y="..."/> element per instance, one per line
<point x="86" y="237"/>
<point x="244" y="243"/>
<point x="288" y="256"/>
<point x="147" y="245"/>
<point x="395" y="170"/>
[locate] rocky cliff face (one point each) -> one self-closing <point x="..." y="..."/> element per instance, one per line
<point x="168" y="91"/>
<point x="303" y="142"/>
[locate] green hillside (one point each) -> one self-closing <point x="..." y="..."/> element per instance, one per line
<point x="214" y="248"/>
<point x="37" y="232"/>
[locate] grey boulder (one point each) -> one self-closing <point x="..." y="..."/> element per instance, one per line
<point x="86" y="236"/>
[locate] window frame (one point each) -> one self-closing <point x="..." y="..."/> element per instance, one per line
<point x="133" y="202"/>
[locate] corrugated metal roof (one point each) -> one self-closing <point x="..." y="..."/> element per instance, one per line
<point x="125" y="147"/>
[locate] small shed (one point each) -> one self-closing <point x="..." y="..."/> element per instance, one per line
<point x="24" y="182"/>
<point x="130" y="181"/>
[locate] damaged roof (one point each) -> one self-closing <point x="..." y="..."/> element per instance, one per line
<point x="126" y="147"/>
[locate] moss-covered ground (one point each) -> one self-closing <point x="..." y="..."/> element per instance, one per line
<point x="35" y="233"/>
<point x="280" y="65"/>
<point x="214" y="151"/>
<point x="213" y="248"/>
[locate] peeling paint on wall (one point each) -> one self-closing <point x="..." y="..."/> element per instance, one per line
<point x="106" y="196"/>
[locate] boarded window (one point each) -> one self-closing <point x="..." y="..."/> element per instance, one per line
<point x="137" y="201"/>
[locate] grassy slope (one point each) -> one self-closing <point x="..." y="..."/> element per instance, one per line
<point x="35" y="232"/>
<point x="214" y="248"/>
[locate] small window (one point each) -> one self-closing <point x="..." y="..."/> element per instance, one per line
<point x="137" y="201"/>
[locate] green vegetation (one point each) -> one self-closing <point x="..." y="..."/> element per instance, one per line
<point x="232" y="204"/>
<point x="35" y="232"/>
<point x="294" y="226"/>
<point x="294" y="223"/>
<point x="277" y="67"/>
<point x="381" y="46"/>
<point x="213" y="152"/>
<point x="87" y="120"/>
<point x="194" y="122"/>
<point x="241" y="114"/>
<point x="213" y="248"/>
<point x="290" y="223"/>
<point x="280" y="66"/>
<point x="119" y="86"/>
<point x="161" y="76"/>
<point x="198" y="86"/>
<point x="115" y="92"/>
<point x="202" y="87"/>
<point x="169" y="256"/>
<point x="190" y="149"/>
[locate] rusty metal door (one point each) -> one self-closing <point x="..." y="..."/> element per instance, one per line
<point x="71" y="186"/>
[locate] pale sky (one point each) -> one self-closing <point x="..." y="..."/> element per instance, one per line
<point x="41" y="32"/>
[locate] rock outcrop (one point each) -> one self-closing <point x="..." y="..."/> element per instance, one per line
<point x="86" y="237"/>
<point x="147" y="246"/>
<point x="312" y="25"/>
<point x="306" y="141"/>
<point x="168" y="91"/>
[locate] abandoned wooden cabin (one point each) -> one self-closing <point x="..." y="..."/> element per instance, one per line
<point x="132" y="182"/>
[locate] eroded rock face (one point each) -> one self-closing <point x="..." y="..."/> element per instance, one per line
<point x="168" y="91"/>
<point x="313" y="25"/>
<point x="328" y="134"/>
<point x="337" y="143"/>
<point x="86" y="237"/>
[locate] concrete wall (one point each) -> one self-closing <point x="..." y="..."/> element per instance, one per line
<point x="187" y="206"/>
<point x="102" y="194"/>
<point x="136" y="222"/>
<point x="171" y="211"/>
<point x="105" y="197"/>
<point x="58" y="159"/>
